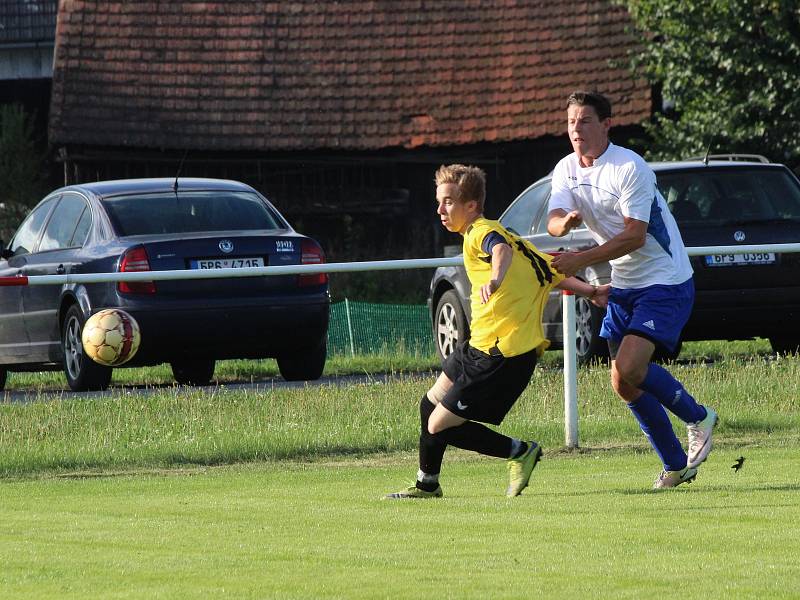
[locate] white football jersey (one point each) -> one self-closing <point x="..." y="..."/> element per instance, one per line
<point x="621" y="184"/>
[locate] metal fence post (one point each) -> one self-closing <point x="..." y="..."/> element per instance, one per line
<point x="570" y="371"/>
<point x="349" y="327"/>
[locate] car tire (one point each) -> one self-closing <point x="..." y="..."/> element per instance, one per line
<point x="589" y="346"/>
<point x="82" y="373"/>
<point x="307" y="366"/>
<point x="193" y="372"/>
<point x="450" y="325"/>
<point x="3" y="375"/>
<point x="783" y="346"/>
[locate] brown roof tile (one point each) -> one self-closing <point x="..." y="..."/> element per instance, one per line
<point x="355" y="74"/>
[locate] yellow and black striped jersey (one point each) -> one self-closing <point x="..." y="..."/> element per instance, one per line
<point x="511" y="321"/>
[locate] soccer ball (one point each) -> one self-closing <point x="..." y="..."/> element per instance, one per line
<point x="111" y="337"/>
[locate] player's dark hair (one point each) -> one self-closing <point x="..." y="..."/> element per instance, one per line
<point x="601" y="104"/>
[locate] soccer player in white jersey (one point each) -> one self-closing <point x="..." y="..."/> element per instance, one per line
<point x="613" y="191"/>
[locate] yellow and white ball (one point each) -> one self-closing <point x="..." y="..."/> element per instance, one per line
<point x="111" y="337"/>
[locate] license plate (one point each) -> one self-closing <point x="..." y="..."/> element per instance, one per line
<point x="226" y="263"/>
<point x="750" y="258"/>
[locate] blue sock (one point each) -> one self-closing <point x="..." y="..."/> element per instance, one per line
<point x="657" y="427"/>
<point x="669" y="391"/>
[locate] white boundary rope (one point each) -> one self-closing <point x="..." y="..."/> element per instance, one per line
<point x="348" y="267"/>
<point x="183" y="274"/>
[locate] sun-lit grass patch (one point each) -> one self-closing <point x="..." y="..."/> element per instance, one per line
<point x="587" y="527"/>
<point x="270" y="491"/>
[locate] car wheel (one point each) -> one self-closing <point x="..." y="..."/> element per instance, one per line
<point x="193" y="372"/>
<point x="589" y="345"/>
<point x="450" y="324"/>
<point x="784" y="346"/>
<point x="83" y="374"/>
<point x="3" y="374"/>
<point x="307" y="366"/>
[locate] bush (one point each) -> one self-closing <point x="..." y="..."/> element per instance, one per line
<point x="21" y="163"/>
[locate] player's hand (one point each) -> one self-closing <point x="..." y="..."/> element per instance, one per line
<point x="600" y="296"/>
<point x="567" y="263"/>
<point x="487" y="289"/>
<point x="573" y="219"/>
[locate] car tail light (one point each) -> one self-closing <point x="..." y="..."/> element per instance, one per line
<point x="135" y="260"/>
<point x="312" y="255"/>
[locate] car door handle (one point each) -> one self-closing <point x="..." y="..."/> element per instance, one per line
<point x="60" y="270"/>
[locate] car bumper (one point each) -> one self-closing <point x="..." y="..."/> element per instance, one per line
<point x="245" y="331"/>
<point x="740" y="314"/>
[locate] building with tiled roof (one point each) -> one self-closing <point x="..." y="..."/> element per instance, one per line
<point x="322" y="104"/>
<point x="27" y="37"/>
<point x="351" y="75"/>
<point x="27" y="34"/>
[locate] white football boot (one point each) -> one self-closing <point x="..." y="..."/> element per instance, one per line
<point x="700" y="438"/>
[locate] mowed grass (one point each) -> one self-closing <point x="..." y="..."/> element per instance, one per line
<point x="268" y="492"/>
<point x="587" y="527"/>
<point x="757" y="398"/>
<point x="393" y="359"/>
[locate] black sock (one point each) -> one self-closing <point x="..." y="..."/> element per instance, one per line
<point x="478" y="438"/>
<point x="431" y="449"/>
<point x="428" y="487"/>
<point x="523" y="448"/>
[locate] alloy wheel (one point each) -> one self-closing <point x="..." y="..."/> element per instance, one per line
<point x="447" y="329"/>
<point x="73" y="348"/>
<point x="583" y="324"/>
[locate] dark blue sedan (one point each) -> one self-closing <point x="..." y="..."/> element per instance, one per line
<point x="155" y="225"/>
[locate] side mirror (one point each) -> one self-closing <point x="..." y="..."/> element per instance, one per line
<point x="5" y="252"/>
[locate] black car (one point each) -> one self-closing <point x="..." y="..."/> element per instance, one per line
<point x="715" y="203"/>
<point x="158" y="225"/>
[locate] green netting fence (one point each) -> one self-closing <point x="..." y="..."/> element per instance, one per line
<point x="367" y="328"/>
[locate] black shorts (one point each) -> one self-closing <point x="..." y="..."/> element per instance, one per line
<point x="485" y="387"/>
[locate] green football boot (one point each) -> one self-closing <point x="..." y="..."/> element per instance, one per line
<point x="520" y="469"/>
<point x="415" y="492"/>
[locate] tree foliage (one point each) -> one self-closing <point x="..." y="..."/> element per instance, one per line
<point x="731" y="71"/>
<point x="21" y="165"/>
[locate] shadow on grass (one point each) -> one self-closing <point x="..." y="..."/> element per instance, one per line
<point x="180" y="464"/>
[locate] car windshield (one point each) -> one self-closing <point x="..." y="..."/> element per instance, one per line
<point x="189" y="212"/>
<point x="745" y="195"/>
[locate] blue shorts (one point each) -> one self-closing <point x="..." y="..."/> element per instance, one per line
<point x="657" y="312"/>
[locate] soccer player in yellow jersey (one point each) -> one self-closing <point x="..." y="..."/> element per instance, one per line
<point x="482" y="380"/>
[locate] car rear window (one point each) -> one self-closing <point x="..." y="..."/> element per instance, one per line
<point x="189" y="212"/>
<point x="731" y="195"/>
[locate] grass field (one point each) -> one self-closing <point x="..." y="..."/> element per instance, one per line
<point x="586" y="528"/>
<point x="276" y="493"/>
<point x="391" y="360"/>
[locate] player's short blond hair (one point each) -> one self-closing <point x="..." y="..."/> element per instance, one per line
<point x="471" y="182"/>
